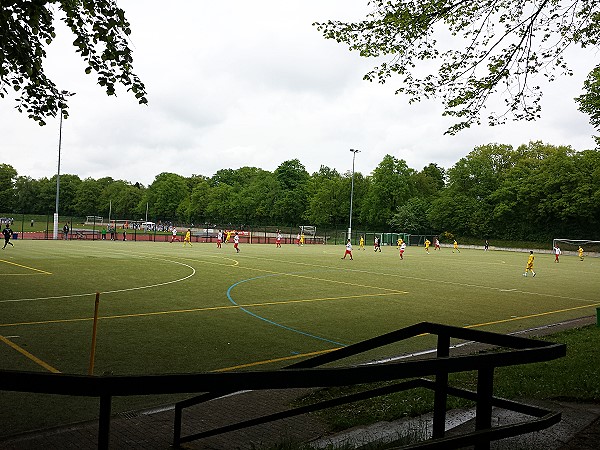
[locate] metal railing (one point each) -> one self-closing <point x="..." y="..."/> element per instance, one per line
<point x="310" y="373"/>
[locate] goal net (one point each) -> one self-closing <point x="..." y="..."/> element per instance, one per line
<point x="308" y="230"/>
<point x="90" y="220"/>
<point x="572" y="245"/>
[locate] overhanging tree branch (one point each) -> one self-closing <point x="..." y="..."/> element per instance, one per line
<point x="101" y="37"/>
<point x="478" y="60"/>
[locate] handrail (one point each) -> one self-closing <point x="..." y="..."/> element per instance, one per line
<point x="310" y="374"/>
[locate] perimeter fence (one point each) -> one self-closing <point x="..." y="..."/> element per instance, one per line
<point x="96" y="227"/>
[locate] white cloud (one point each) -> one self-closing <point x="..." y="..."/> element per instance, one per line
<point x="238" y="83"/>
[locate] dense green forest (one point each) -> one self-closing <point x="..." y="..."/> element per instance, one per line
<point x="535" y="192"/>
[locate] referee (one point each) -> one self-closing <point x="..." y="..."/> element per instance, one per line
<point x="7" y="232"/>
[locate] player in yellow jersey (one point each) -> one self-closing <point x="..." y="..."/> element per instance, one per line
<point x="188" y="237"/>
<point x="580" y="253"/>
<point x="427" y="244"/>
<point x="455" y="247"/>
<point x="361" y="243"/>
<point x="529" y="266"/>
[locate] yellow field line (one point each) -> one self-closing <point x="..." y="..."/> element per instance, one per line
<point x="287" y="273"/>
<point x="33" y="358"/>
<point x="211" y="308"/>
<point x="323" y="279"/>
<point x="287" y="358"/>
<point x="530" y="316"/>
<point x="25" y="267"/>
<point x="269" y="361"/>
<point x="398" y="275"/>
<point x="19" y="274"/>
<point x="187" y="258"/>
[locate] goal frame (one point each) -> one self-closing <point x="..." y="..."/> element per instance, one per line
<point x="575" y="243"/>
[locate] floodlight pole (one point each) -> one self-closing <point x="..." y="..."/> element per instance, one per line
<point x="354" y="152"/>
<point x="62" y="106"/>
<point x="55" y="230"/>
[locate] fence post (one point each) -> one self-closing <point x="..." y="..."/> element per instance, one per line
<point x="177" y="426"/>
<point x="104" y="422"/>
<point x="94" y="333"/>
<point x="483" y="414"/>
<point x="441" y="389"/>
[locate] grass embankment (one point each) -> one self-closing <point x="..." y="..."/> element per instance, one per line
<point x="575" y="377"/>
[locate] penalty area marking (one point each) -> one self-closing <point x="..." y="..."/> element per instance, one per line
<point x="115" y="291"/>
<point x="187" y="258"/>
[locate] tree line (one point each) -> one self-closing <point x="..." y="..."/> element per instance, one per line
<point x="534" y="192"/>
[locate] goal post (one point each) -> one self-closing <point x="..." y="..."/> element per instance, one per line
<point x="90" y="220"/>
<point x="572" y="245"/>
<point x="308" y="230"/>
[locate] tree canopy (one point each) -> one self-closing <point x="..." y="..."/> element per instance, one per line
<point x="101" y="38"/>
<point x="534" y="192"/>
<point x="465" y="52"/>
<point x="589" y="102"/>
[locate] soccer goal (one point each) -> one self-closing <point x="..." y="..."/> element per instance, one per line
<point x="393" y="238"/>
<point x="90" y="220"/>
<point x="308" y="230"/>
<point x="572" y="245"/>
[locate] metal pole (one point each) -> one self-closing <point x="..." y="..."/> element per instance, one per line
<point x="94" y="332"/>
<point x="483" y="409"/>
<point x="354" y="152"/>
<point x="104" y="422"/>
<point x="55" y="229"/>
<point x="441" y="389"/>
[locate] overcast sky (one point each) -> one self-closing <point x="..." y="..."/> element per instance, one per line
<point x="238" y="83"/>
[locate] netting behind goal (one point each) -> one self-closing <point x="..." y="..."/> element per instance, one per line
<point x="308" y="230"/>
<point x="572" y="245"/>
<point x="90" y="220"/>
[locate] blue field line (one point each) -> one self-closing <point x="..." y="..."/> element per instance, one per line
<point x="270" y="321"/>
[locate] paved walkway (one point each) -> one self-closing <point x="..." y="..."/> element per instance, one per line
<point x="579" y="429"/>
<point x="154" y="429"/>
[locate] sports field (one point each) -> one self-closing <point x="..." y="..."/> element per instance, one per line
<point x="166" y="308"/>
